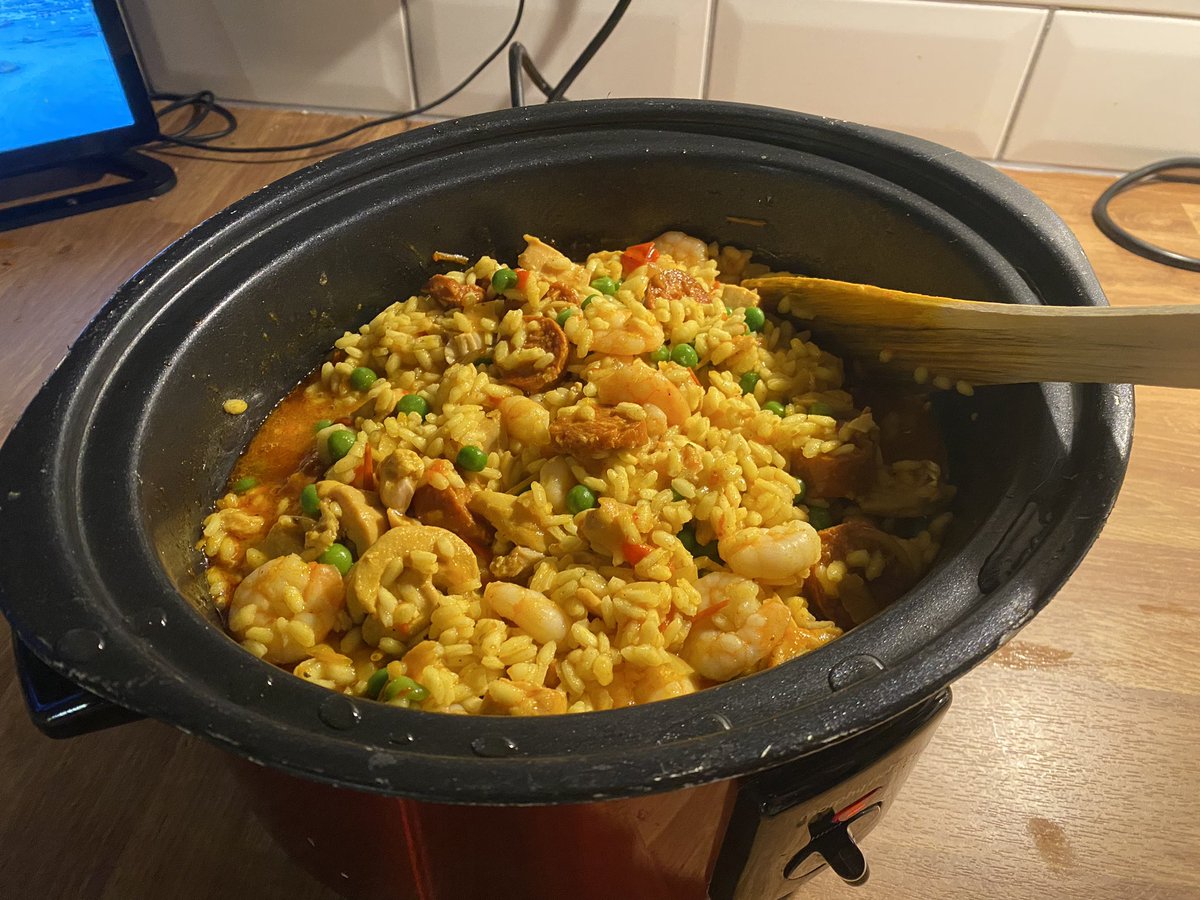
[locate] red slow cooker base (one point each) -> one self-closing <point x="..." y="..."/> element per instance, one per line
<point x="369" y="847"/>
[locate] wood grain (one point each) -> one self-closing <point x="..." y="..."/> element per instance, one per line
<point x="1067" y="766"/>
<point x="993" y="343"/>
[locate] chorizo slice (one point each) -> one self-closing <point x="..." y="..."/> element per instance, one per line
<point x="858" y="599"/>
<point x="541" y="333"/>
<point x="453" y="294"/>
<point x="673" y="284"/>
<point x="447" y="508"/>
<point x="609" y="431"/>
<point x="562" y="293"/>
<point x="828" y="475"/>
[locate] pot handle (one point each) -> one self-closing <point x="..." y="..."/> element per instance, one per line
<point x="59" y="707"/>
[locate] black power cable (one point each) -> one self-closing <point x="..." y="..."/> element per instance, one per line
<point x="203" y="103"/>
<point x="1146" y="175"/>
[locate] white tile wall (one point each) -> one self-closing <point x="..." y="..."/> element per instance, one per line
<point x="948" y="72"/>
<point x="1095" y="88"/>
<point x="1112" y="91"/>
<point x="307" y="52"/>
<point x="658" y="49"/>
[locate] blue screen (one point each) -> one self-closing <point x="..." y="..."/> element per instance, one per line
<point x="57" y="78"/>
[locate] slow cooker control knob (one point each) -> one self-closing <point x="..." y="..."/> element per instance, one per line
<point x="835" y="844"/>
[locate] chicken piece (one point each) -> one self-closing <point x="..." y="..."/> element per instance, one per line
<point x="286" y="536"/>
<point x="542" y="259"/>
<point x="397" y="478"/>
<point x="847" y="474"/>
<point x="737" y="296"/>
<point x="449" y="508"/>
<point x="855" y="599"/>
<point x="359" y="513"/>
<point x="673" y="284"/>
<point x="541" y="333"/>
<point x="608" y="527"/>
<point x="514" y="518"/>
<point x="907" y="489"/>
<point x="453" y="294"/>
<point x="517" y="565"/>
<point x="610" y="430"/>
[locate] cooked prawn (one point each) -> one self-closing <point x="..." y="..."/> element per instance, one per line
<point x="683" y="248"/>
<point x="631" y="332"/>
<point x="525" y="420"/>
<point x="741" y="632"/>
<point x="636" y="382"/>
<point x="531" y="610"/>
<point x="286" y="607"/>
<point x="781" y="554"/>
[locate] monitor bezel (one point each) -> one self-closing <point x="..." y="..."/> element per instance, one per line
<point x="98" y="143"/>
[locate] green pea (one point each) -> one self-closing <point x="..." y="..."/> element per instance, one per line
<point x="503" y="279"/>
<point x="580" y="498"/>
<point x="748" y="382"/>
<point x="310" y="503"/>
<point x="321" y="425"/>
<point x="340" y="442"/>
<point x="413" y="403"/>
<point x="819" y="517"/>
<point x="376" y="682"/>
<point x="818" y="408"/>
<point x="362" y="378"/>
<point x="588" y="301"/>
<point x="338" y="556"/>
<point x="471" y="458"/>
<point x="562" y="317"/>
<point x="800" y="493"/>
<point x="728" y="310"/>
<point x="687" y="537"/>
<point x="403" y="688"/>
<point x="755" y="318"/>
<point x="605" y="285"/>
<point x="662" y="354"/>
<point x="685" y="355"/>
<point x="774" y="406"/>
<point x="244" y="484"/>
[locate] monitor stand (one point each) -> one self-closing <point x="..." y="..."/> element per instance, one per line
<point x="143" y="177"/>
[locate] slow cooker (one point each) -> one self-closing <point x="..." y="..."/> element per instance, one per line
<point x="742" y="790"/>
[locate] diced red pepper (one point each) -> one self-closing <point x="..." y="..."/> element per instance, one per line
<point x="522" y="278"/>
<point x="638" y="255"/>
<point x="635" y="553"/>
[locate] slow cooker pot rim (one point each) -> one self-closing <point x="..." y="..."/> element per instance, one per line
<point x="694" y="758"/>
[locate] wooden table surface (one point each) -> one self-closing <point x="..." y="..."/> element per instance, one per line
<point x="1068" y="765"/>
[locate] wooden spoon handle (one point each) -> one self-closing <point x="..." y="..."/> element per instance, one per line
<point x="998" y="343"/>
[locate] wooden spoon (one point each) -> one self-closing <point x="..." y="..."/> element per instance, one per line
<point x="994" y="343"/>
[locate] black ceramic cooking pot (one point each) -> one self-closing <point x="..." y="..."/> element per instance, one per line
<point x="133" y="446"/>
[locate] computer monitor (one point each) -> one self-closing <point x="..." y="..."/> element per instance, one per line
<point x="71" y="92"/>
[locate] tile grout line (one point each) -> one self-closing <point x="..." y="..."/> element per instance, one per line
<point x="710" y="40"/>
<point x="1023" y="89"/>
<point x="414" y="94"/>
<point x="1081" y="7"/>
